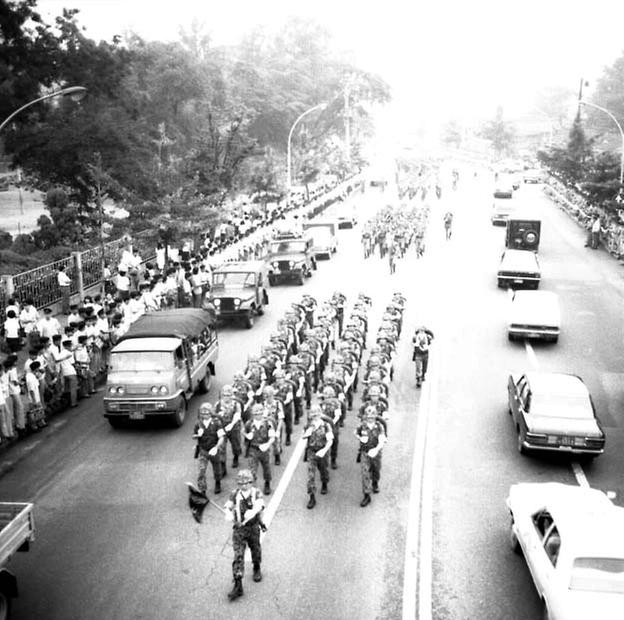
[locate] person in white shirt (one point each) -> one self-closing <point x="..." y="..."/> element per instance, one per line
<point x="12" y="304"/>
<point x="12" y="332"/>
<point x="28" y="319"/>
<point x="123" y="285"/>
<point x="68" y="372"/>
<point x="48" y="326"/>
<point x="19" y="415"/>
<point x="36" y="415"/>
<point x="160" y="257"/>
<point x="64" y="283"/>
<point x="7" y="427"/>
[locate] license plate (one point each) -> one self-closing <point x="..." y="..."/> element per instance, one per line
<point x="137" y="415"/>
<point x="518" y="281"/>
<point x="533" y="335"/>
<point x="566" y="441"/>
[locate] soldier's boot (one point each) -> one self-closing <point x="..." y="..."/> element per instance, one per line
<point x="375" y="486"/>
<point x="278" y="459"/>
<point x="257" y="573"/>
<point x="324" y="488"/>
<point x="366" y="500"/>
<point x="288" y="439"/>
<point x="311" y="501"/>
<point x="235" y="461"/>
<point x="237" y="590"/>
<point x="267" y="487"/>
<point x="217" y="486"/>
<point x="334" y="465"/>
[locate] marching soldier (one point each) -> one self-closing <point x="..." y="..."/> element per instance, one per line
<point x="260" y="435"/>
<point x="244" y="510"/>
<point x="243" y="393"/>
<point x="296" y="372"/>
<point x="372" y="437"/>
<point x="274" y="411"/>
<point x="320" y="437"/>
<point x="285" y="391"/>
<point x="230" y="411"/>
<point x="210" y="436"/>
<point x="332" y="410"/>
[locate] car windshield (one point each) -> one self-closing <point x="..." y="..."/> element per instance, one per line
<point x="286" y="247"/>
<point x="141" y="361"/>
<point x="232" y="280"/>
<point x="598" y="575"/>
<point x="560" y="406"/>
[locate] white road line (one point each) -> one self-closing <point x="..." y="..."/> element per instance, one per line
<point x="531" y="355"/>
<point x="579" y="474"/>
<point x="417" y="561"/>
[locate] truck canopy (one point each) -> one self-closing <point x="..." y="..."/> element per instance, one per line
<point x="181" y="323"/>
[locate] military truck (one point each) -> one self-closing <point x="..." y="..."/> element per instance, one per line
<point x="238" y="292"/>
<point x="290" y="257"/>
<point x="17" y="531"/>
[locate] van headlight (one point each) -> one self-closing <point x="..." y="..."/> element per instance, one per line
<point x="275" y="264"/>
<point x="216" y="302"/>
<point x="159" y="389"/>
<point x="291" y="263"/>
<point x="116" y="389"/>
<point x="237" y="302"/>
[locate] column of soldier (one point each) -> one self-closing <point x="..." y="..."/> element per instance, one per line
<point x="264" y="402"/>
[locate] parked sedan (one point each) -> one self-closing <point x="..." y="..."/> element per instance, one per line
<point x="554" y="412"/>
<point x="571" y="539"/>
<point x="519" y="268"/>
<point x="534" y="314"/>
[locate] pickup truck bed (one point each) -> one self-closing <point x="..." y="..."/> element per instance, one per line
<point x="17" y="528"/>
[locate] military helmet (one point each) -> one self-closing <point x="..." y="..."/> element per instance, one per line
<point x="257" y="409"/>
<point x="268" y="391"/>
<point x="315" y="411"/>
<point x="227" y="390"/>
<point x="206" y="408"/>
<point x="329" y="392"/>
<point x="295" y="359"/>
<point x="374" y="390"/>
<point x="370" y="412"/>
<point x="243" y="476"/>
<point x="279" y="373"/>
<point x="238" y="376"/>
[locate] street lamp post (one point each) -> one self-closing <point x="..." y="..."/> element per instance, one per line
<point x="289" y="149"/>
<point x="615" y="120"/>
<point x="75" y="92"/>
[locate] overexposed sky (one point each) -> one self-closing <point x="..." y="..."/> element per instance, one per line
<point x="443" y="58"/>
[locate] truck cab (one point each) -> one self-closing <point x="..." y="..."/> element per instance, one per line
<point x="324" y="239"/>
<point x="290" y="257"/>
<point x="158" y="364"/>
<point x="238" y="292"/>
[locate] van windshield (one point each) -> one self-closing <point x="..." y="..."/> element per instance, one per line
<point x="234" y="279"/>
<point x="141" y="361"/>
<point x="285" y="247"/>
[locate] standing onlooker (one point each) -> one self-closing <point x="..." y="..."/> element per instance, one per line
<point x="36" y="416"/>
<point x="64" y="283"/>
<point x="12" y="332"/>
<point x="68" y="372"/>
<point x="48" y="326"/>
<point x="595" y="233"/>
<point x="15" y="396"/>
<point x="28" y="319"/>
<point x="160" y="257"/>
<point x="123" y="285"/>
<point x="6" y="412"/>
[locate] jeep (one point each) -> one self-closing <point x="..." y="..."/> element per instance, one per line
<point x="290" y="257"/>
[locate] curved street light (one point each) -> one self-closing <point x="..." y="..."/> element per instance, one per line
<point x="75" y="92"/>
<point x="615" y="120"/>
<point x="289" y="150"/>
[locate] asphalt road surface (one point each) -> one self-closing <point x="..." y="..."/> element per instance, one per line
<point x="115" y="538"/>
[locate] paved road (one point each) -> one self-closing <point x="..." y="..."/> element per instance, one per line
<point x="115" y="538"/>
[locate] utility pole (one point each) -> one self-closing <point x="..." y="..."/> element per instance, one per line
<point x="580" y="98"/>
<point x="347" y="115"/>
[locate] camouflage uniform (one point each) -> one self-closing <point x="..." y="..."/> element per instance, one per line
<point x="227" y="408"/>
<point x="285" y="391"/>
<point x="244" y="535"/>
<point x="332" y="411"/>
<point x="257" y="435"/>
<point x="212" y="432"/>
<point x="274" y="411"/>
<point x="370" y="466"/>
<point x="317" y="440"/>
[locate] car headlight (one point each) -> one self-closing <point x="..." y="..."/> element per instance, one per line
<point x="164" y="389"/>
<point x="217" y="302"/>
<point x="291" y="263"/>
<point x="237" y="301"/>
<point x="116" y="389"/>
<point x="275" y="264"/>
<point x="154" y="389"/>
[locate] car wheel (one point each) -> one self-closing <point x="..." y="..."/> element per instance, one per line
<point x="511" y="337"/>
<point x="513" y="540"/>
<point x="554" y="339"/>
<point x="501" y="284"/>
<point x="177" y="418"/>
<point x="204" y="385"/>
<point x="249" y="320"/>
<point x="259" y="310"/>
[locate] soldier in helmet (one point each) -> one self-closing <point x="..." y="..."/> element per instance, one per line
<point x="376" y="399"/>
<point x="274" y="411"/>
<point x="256" y="375"/>
<point x="243" y="393"/>
<point x="372" y="437"/>
<point x="260" y="435"/>
<point x="332" y="410"/>
<point x="230" y="411"/>
<point x="210" y="436"/>
<point x="244" y="510"/>
<point x="285" y="391"/>
<point x="319" y="435"/>
<point x="298" y="374"/>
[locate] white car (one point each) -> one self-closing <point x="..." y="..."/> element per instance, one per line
<point x="533" y="176"/>
<point x="571" y="539"/>
<point x="534" y="314"/>
<point x="519" y="268"/>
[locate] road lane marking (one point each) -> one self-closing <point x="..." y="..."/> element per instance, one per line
<point x="417" y="576"/>
<point x="579" y="474"/>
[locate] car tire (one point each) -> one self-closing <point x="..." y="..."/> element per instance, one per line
<point x="248" y="321"/>
<point x="259" y="310"/>
<point x="203" y="387"/>
<point x="554" y="339"/>
<point x="513" y="540"/>
<point x="177" y="418"/>
<point x="511" y="337"/>
<point x="501" y="284"/>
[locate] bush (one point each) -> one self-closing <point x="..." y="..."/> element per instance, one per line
<point x="5" y="240"/>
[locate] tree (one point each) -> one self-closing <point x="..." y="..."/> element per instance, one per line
<point x="500" y="134"/>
